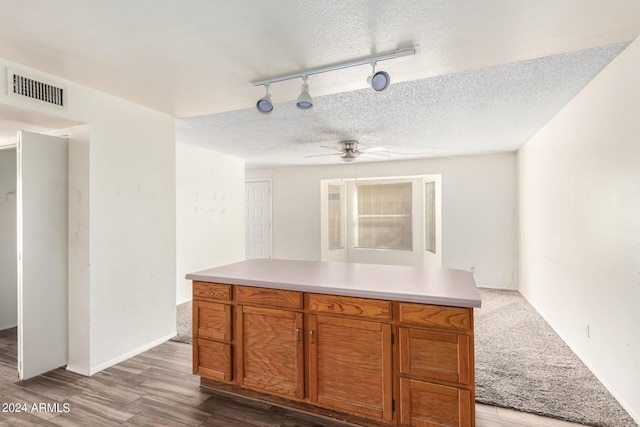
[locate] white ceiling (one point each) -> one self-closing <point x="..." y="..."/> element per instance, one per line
<point x="487" y="76"/>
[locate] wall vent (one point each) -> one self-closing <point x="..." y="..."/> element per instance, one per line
<point x="22" y="85"/>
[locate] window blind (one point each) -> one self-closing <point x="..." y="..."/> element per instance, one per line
<point x="384" y="218"/>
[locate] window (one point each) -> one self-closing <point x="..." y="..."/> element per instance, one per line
<point x="381" y="220"/>
<point x="430" y="216"/>
<point x="336" y="217"/>
<point x="383" y="216"/>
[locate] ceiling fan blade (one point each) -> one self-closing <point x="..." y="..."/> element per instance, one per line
<point x="322" y="155"/>
<point x="372" y="149"/>
<point x="409" y="153"/>
<point x="335" y="147"/>
<point x="371" y="153"/>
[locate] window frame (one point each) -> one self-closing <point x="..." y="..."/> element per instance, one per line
<point x="419" y="256"/>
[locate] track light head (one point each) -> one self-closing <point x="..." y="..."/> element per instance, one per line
<point x="379" y="81"/>
<point x="264" y="104"/>
<point x="304" y="102"/>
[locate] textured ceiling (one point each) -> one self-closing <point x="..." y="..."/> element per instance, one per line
<point x="488" y="110"/>
<point x="488" y="73"/>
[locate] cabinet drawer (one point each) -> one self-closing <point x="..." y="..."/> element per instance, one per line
<point x="350" y="306"/>
<point x="212" y="359"/>
<point x="211" y="291"/>
<point x="426" y="405"/>
<point x="435" y="316"/>
<point x="212" y="320"/>
<point x="277" y="298"/>
<point x="434" y="355"/>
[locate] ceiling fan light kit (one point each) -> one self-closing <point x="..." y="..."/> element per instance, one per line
<point x="348" y="157"/>
<point x="379" y="81"/>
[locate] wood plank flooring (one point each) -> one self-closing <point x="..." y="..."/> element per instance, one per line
<point x="156" y="388"/>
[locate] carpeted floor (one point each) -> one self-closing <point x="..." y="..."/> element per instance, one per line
<point x="183" y="323"/>
<point x="521" y="363"/>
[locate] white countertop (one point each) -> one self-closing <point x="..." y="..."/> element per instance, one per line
<point x="440" y="286"/>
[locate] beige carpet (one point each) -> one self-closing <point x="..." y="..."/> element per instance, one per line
<point x="183" y="323"/>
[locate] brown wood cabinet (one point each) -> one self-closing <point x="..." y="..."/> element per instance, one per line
<point x="388" y="362"/>
<point x="425" y="404"/>
<point x="271" y="353"/>
<point x="212" y="320"/>
<point x="212" y="359"/>
<point x="350" y="367"/>
<point x="437" y="386"/>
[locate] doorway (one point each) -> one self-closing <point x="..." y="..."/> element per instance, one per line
<point x="34" y="275"/>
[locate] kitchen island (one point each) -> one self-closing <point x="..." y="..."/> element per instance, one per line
<point x="376" y="344"/>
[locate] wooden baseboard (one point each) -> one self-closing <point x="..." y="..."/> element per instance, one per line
<point x="298" y="406"/>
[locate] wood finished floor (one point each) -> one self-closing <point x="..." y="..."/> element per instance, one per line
<point x="156" y="388"/>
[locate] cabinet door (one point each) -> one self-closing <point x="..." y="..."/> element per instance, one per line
<point x="432" y="405"/>
<point x="434" y="355"/>
<point x="212" y="320"/>
<point x="272" y="353"/>
<point x="212" y="359"/>
<point x="350" y="366"/>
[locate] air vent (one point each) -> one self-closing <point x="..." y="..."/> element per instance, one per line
<point x="36" y="89"/>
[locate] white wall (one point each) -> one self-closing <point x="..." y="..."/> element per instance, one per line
<point x="580" y="225"/>
<point x="130" y="250"/>
<point x="478" y="210"/>
<point x="132" y="230"/>
<point x="210" y="199"/>
<point x="8" y="248"/>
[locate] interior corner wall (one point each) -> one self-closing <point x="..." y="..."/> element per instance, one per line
<point x="210" y="199"/>
<point x="131" y="249"/>
<point x="478" y="210"/>
<point x="78" y="240"/>
<point x="8" y="235"/>
<point x="579" y="204"/>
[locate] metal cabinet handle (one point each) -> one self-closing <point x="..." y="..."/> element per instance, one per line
<point x="311" y="337"/>
<point x="297" y="334"/>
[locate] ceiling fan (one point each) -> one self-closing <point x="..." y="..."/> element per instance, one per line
<point x="350" y="150"/>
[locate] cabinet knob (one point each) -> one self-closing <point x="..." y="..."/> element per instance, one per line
<point x="297" y="334"/>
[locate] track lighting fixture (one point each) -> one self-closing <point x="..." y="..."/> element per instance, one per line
<point x="379" y="81"/>
<point x="304" y="101"/>
<point x="264" y="104"/>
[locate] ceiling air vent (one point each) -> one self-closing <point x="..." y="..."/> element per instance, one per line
<point x="36" y="89"/>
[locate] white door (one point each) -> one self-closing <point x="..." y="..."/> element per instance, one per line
<point x="258" y="219"/>
<point x="42" y="186"/>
